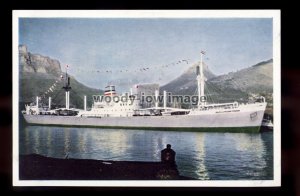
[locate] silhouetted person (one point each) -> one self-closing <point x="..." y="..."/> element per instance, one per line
<point x="168" y="155"/>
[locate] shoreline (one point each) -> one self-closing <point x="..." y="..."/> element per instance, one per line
<point x="38" y="167"/>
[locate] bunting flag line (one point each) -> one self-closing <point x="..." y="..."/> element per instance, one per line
<point x="127" y="70"/>
<point x="51" y="88"/>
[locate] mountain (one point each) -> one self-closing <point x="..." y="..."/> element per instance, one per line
<point x="38" y="73"/>
<point x="257" y="79"/>
<point x="185" y="84"/>
<point x="35" y="63"/>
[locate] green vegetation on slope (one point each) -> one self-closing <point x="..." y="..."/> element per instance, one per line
<point x="36" y="84"/>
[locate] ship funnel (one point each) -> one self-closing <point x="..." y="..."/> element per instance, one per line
<point x="110" y="90"/>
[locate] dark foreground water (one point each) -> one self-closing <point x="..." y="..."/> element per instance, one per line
<point x="205" y="156"/>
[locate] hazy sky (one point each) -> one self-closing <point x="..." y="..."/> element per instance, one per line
<point x="91" y="45"/>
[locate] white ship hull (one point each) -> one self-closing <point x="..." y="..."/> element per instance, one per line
<point x="245" y="119"/>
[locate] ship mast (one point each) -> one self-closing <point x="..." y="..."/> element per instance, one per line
<point x="200" y="81"/>
<point x="67" y="88"/>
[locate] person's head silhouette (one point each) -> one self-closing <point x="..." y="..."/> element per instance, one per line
<point x="168" y="155"/>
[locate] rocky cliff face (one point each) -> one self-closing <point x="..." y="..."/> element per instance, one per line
<point x="38" y="73"/>
<point x="35" y="63"/>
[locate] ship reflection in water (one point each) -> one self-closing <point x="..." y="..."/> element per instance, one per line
<point x="205" y="156"/>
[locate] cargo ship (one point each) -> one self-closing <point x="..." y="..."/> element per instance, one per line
<point x="132" y="113"/>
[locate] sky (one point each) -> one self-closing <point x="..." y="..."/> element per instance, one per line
<point x="151" y="50"/>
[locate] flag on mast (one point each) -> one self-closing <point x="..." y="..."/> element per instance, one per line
<point x="202" y="52"/>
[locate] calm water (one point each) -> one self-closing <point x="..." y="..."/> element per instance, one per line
<point x="208" y="156"/>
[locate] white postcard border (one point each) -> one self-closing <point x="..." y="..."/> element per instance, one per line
<point x="275" y="14"/>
